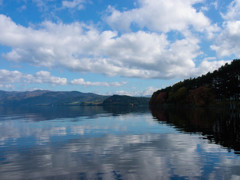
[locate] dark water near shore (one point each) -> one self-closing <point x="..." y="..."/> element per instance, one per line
<point x="118" y="143"/>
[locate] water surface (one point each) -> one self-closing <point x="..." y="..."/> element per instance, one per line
<point x="118" y="143"/>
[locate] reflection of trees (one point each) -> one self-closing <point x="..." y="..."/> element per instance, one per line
<point x="117" y="110"/>
<point x="217" y="125"/>
<point x="51" y="112"/>
<point x="40" y="113"/>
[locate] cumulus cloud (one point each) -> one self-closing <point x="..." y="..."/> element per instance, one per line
<point x="81" y="81"/>
<point x="82" y="48"/>
<point x="146" y="92"/>
<point x="208" y="65"/>
<point x="227" y="41"/>
<point x="160" y="15"/>
<point x="7" y="86"/>
<point x="149" y="91"/>
<point x="73" y="4"/>
<point x="45" y="77"/>
<point x="9" y="77"/>
<point x="127" y="93"/>
<point x="233" y="12"/>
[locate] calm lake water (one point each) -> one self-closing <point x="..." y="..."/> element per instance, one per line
<point x="116" y="143"/>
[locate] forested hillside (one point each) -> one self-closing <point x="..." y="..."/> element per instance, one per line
<point x="127" y="101"/>
<point x="65" y="98"/>
<point x="46" y="98"/>
<point x="222" y="85"/>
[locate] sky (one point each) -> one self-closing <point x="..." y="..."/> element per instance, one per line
<point x="131" y="47"/>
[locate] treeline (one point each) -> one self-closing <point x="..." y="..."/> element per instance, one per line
<point x="127" y="101"/>
<point x="221" y="85"/>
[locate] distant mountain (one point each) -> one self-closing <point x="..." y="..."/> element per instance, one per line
<point x="65" y="98"/>
<point x="127" y="101"/>
<point x="219" y="87"/>
<point x="46" y="98"/>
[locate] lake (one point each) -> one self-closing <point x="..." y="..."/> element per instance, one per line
<point x="118" y="143"/>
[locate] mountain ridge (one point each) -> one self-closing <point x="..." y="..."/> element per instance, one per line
<point x="46" y="97"/>
<point x="67" y="98"/>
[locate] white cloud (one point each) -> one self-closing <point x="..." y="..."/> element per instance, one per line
<point x="149" y="91"/>
<point x="7" y="86"/>
<point x="9" y="77"/>
<point x="208" y="65"/>
<point x="45" y="77"/>
<point x="81" y="81"/>
<point x="233" y="12"/>
<point x="82" y="48"/>
<point x="146" y="92"/>
<point x="43" y="5"/>
<point x="227" y="41"/>
<point x="160" y="15"/>
<point x="127" y="93"/>
<point x="73" y="4"/>
<point x="117" y="84"/>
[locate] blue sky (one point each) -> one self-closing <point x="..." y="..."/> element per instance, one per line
<point x="131" y="47"/>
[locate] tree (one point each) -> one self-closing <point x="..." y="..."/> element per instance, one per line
<point x="201" y="96"/>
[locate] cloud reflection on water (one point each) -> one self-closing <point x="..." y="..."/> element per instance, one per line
<point x="133" y="156"/>
<point x="130" y="146"/>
